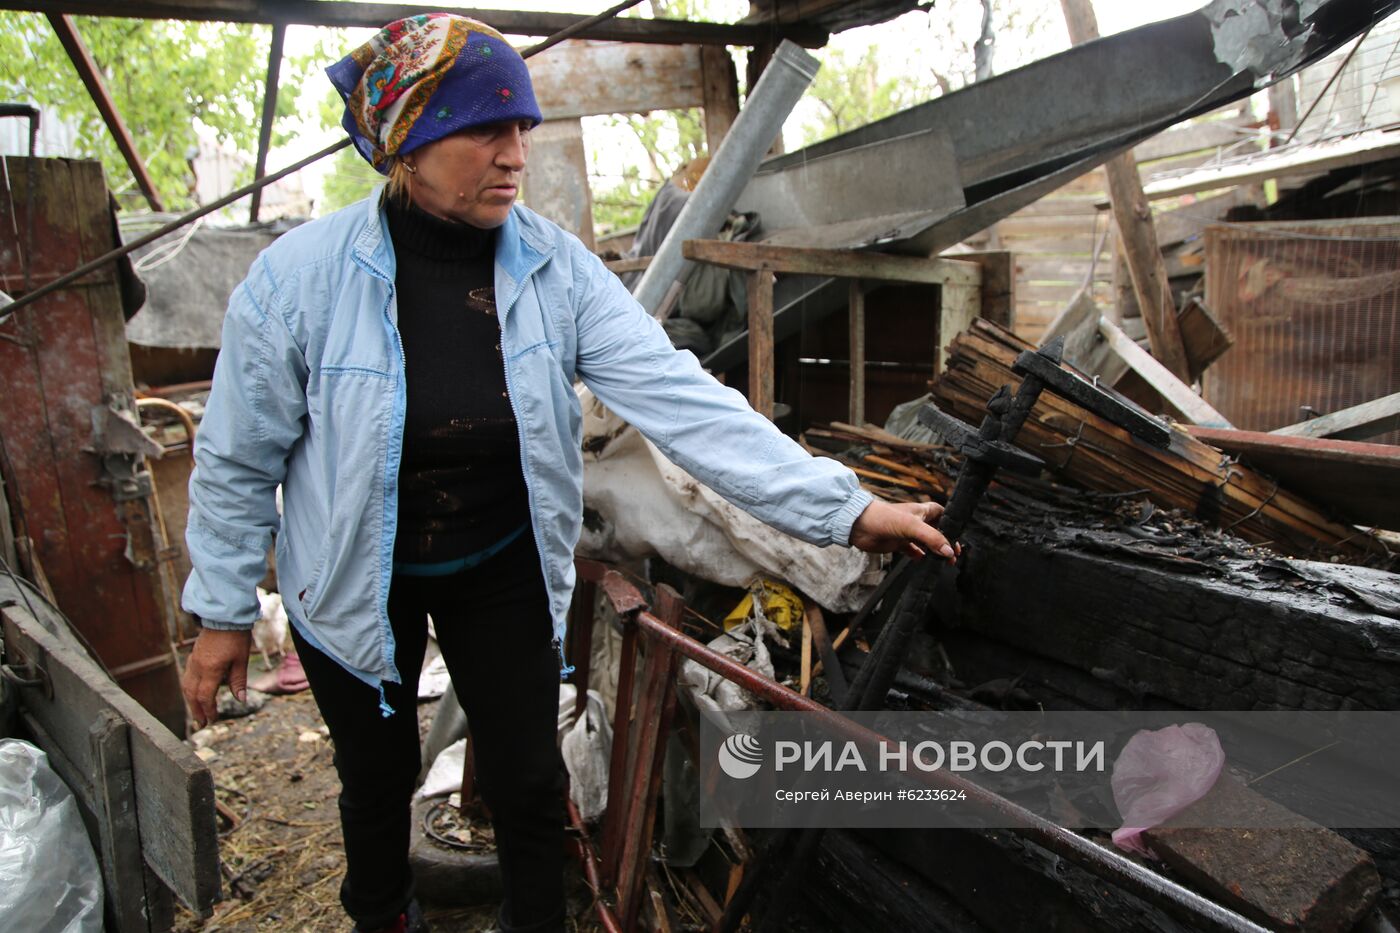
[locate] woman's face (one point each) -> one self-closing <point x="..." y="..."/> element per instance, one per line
<point x="473" y="175"/>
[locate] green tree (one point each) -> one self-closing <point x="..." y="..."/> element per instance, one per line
<point x="173" y="82"/>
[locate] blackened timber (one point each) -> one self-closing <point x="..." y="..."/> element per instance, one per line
<point x="1265" y="633"/>
<point x="347" y="14"/>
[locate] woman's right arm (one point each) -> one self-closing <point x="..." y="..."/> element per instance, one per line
<point x="255" y="414"/>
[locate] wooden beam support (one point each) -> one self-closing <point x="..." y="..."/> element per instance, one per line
<point x="720" y="93"/>
<point x="348" y="14"/>
<point x="269" y="113"/>
<point x="856" y="325"/>
<point x="619" y="77"/>
<point x="92" y="79"/>
<point x="1351" y="424"/>
<point x="1133" y="216"/>
<point x="761" y="342"/>
<point x="556" y="180"/>
<point x="957" y="307"/>
<point x="841" y="263"/>
<point x="1195" y="409"/>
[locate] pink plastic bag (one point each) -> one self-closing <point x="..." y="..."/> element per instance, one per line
<point x="1159" y="774"/>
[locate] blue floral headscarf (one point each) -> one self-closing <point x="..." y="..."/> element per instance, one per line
<point x="424" y="77"/>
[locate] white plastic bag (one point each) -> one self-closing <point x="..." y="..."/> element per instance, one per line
<point x="49" y="879"/>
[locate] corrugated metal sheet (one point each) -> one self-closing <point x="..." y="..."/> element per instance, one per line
<point x="1314" y="309"/>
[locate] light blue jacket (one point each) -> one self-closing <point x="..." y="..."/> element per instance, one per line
<point x="309" y="392"/>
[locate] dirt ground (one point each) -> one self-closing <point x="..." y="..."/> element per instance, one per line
<point x="283" y="858"/>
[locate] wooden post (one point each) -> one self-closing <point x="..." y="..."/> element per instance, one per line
<point x="556" y="180"/>
<point x="97" y="90"/>
<point x="119" y="839"/>
<point x="958" y="304"/>
<point x="856" y="323"/>
<point x="269" y="113"/>
<point x="1138" y="234"/>
<point x="721" y="94"/>
<point x="761" y="341"/>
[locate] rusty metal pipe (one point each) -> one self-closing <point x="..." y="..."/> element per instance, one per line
<point x="588" y="861"/>
<point x="1174" y="899"/>
<point x="166" y="405"/>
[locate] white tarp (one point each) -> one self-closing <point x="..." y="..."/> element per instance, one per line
<point x="638" y="504"/>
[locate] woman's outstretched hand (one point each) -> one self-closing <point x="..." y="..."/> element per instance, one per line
<point x="902" y="528"/>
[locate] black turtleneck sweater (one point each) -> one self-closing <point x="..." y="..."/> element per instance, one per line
<point x="461" y="488"/>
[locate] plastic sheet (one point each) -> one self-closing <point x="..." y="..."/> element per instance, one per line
<point x="1159" y="774"/>
<point x="49" y="878"/>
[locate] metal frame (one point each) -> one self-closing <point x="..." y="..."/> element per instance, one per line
<point x="615" y="868"/>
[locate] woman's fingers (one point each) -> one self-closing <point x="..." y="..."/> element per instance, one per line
<point x="218" y="657"/>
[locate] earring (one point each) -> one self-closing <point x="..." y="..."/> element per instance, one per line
<point x="412" y="169"/>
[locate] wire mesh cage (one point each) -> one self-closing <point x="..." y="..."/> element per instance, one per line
<point x="1314" y="309"/>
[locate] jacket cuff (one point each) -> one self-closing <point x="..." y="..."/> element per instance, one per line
<point x="846" y="518"/>
<point x="223" y="626"/>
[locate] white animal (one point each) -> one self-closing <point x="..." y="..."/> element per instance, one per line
<point x="270" y="630"/>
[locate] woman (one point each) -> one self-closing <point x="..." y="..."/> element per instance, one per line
<point x="404" y="368"/>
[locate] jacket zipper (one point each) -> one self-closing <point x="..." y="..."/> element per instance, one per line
<point x="565" y="669"/>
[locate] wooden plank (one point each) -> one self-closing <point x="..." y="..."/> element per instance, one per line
<point x="119" y="838"/>
<point x="1193" y="137"/>
<point x="1352" y="424"/>
<point x="1048" y="226"/>
<point x="801" y="260"/>
<point x="1190" y="475"/>
<point x="719" y="94"/>
<point x="556" y="179"/>
<point x="856" y="326"/>
<point x="1361" y="149"/>
<point x="760" y="342"/>
<point x="357" y="15"/>
<point x="581" y="79"/>
<point x="1357" y="481"/>
<point x="637" y="264"/>
<point x="1195" y="409"/>
<point x="956" y="309"/>
<point x="1204" y="338"/>
<point x="1137" y="235"/>
<point x="998" y="292"/>
<point x="174" y="790"/>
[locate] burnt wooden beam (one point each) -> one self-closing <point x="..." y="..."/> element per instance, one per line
<point x="92" y="80"/>
<point x="842" y="263"/>
<point x="347" y="14"/>
<point x="269" y="113"/>
<point x="1139" y="630"/>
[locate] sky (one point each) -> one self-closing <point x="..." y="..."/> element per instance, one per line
<point x="909" y="41"/>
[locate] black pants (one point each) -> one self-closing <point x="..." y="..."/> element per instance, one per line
<point x="493" y="626"/>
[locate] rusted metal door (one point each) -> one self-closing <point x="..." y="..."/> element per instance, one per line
<point x="70" y="442"/>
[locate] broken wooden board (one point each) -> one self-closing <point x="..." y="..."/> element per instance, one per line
<point x="171" y="789"/>
<point x="1351" y="424"/>
<point x="1300" y="877"/>
<point x="1189" y="475"/>
<point x="1193" y="408"/>
<point x="1356" y="481"/>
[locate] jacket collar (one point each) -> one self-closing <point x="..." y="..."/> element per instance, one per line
<point x="521" y="248"/>
<point x="372" y="248"/>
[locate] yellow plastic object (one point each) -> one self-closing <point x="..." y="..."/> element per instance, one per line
<point x="781" y="606"/>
